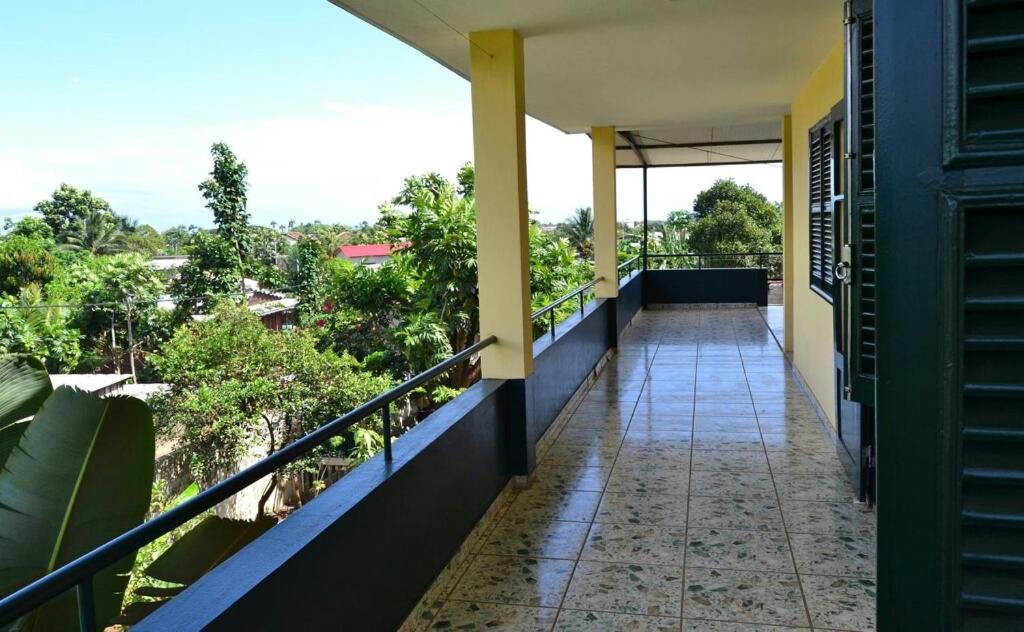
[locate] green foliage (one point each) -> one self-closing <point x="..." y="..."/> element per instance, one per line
<point x="237" y="388"/>
<point x="579" y="230"/>
<point x="31" y="227"/>
<point x="310" y="275"/>
<point x="96" y="232"/>
<point x="268" y="257"/>
<point x="210" y="274"/>
<point x="68" y="205"/>
<point x="176" y="238"/>
<point x="729" y="227"/>
<point x="366" y="442"/>
<point x="424" y="341"/>
<point x="42" y="332"/>
<point x="225" y="194"/>
<point x="82" y="475"/>
<point x="24" y="386"/>
<point x="145" y="240"/>
<point x="767" y="217"/>
<point x="25" y="261"/>
<point x="467" y="180"/>
<point x="119" y="287"/>
<point x="193" y="554"/>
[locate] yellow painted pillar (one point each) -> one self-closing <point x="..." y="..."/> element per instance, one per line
<point x="788" y="249"/>
<point x="502" y="219"/>
<point x="606" y="259"/>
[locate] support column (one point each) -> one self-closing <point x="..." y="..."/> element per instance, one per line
<point x="606" y="249"/>
<point x="788" y="251"/>
<point x="499" y="154"/>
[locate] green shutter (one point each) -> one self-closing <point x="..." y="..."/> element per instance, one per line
<point x="862" y="207"/>
<point x="820" y="218"/>
<point x="990" y="133"/>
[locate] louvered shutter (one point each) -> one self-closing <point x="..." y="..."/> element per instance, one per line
<point x="821" y="220"/>
<point x="862" y="210"/>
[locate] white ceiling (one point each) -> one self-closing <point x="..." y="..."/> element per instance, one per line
<point x="666" y="69"/>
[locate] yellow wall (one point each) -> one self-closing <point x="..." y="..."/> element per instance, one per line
<point x="812" y="315"/>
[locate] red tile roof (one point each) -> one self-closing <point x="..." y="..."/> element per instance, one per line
<point x="371" y="250"/>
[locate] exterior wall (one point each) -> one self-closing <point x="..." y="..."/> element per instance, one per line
<point x="813" y="352"/>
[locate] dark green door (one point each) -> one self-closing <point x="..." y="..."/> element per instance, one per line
<point x="949" y="178"/>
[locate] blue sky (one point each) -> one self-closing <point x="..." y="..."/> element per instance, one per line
<point x="125" y="98"/>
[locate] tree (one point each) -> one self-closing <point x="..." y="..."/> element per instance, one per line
<point x="729" y="227"/>
<point x="27" y="327"/>
<point x="579" y="230"/>
<point x="144" y="239"/>
<point x="96" y="233"/>
<point x="225" y="194"/>
<point x="467" y="180"/>
<point x="68" y="204"/>
<point x="210" y="274"/>
<point x="31" y="227"/>
<point x="236" y="388"/>
<point x="176" y="238"/>
<point x="25" y="261"/>
<point x="764" y="213"/>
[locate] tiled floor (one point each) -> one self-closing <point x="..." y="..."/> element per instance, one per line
<point x="694" y="488"/>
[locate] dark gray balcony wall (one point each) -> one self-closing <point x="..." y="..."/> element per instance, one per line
<point x="715" y="285"/>
<point x="630" y="300"/>
<point x="360" y="555"/>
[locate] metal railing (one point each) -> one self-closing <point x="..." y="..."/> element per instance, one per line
<point x="80" y="572"/>
<point x="550" y="308"/>
<point x="631" y="266"/>
<point x="771" y="261"/>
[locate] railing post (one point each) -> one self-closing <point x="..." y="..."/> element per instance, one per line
<point x="86" y="606"/>
<point x="385" y="414"/>
<point x="581" y="303"/>
<point x="551" y="312"/>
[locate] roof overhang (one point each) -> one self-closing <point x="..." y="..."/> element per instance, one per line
<point x="684" y="76"/>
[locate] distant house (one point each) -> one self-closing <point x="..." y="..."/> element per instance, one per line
<point x="167" y="265"/>
<point x="369" y="254"/>
<point x="293" y="237"/>
<point x="276" y="311"/>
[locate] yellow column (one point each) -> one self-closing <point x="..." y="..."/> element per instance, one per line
<point x="499" y="148"/>
<point x="788" y="250"/>
<point x="606" y="260"/>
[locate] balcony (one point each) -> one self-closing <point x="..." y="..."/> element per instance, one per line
<point x="692" y="484"/>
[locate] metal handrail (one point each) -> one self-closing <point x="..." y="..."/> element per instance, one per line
<point x="632" y="264"/>
<point x="550" y="307"/>
<point x="701" y="256"/>
<point x="80" y="572"/>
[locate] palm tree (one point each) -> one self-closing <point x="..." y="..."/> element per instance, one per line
<point x="96" y="233"/>
<point x="579" y="230"/>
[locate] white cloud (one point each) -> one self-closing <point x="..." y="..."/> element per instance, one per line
<point x="336" y="163"/>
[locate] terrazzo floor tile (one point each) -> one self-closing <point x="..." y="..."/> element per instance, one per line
<point x="665" y="480"/>
<point x="653" y="509"/>
<point x="732" y="484"/>
<point x="784" y="424"/>
<point x="744" y="596"/>
<point x="629" y="543"/>
<point x="841" y="603"/>
<point x="697" y="625"/>
<point x="681" y="422"/>
<point x="584" y="621"/>
<point x="614" y="424"/>
<point x="462" y="615"/>
<point x="524" y="581"/>
<point x="738" y="549"/>
<point x="851" y="555"/>
<point x="805" y="441"/>
<point x="726" y="424"/>
<point x="735" y="513"/>
<point x="726" y="460"/>
<point x="570" y="477"/>
<point x="727" y="441"/>
<point x="804" y="462"/>
<point x="539" y="538"/>
<point x="828" y="517"/>
<point x="590" y="436"/>
<point x="584" y="455"/>
<point x="627" y="588"/>
<point x="550" y="504"/>
<point x="661" y="406"/>
<point x="813" y="487"/>
<point x="723" y="409"/>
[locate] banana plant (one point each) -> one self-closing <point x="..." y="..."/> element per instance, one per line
<point x="24" y="386"/>
<point x="80" y="475"/>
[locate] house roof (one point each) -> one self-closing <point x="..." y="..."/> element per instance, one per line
<point x="371" y="250"/>
<point x="294" y="234"/>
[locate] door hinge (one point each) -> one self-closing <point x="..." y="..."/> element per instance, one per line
<point x="847" y="392"/>
<point x="849" y="155"/>
<point x="868" y="458"/>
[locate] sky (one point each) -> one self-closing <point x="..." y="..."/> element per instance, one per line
<point x="330" y="114"/>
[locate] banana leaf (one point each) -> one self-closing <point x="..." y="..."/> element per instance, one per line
<point x="206" y="545"/>
<point x="81" y="475"/>
<point x="24" y="386"/>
